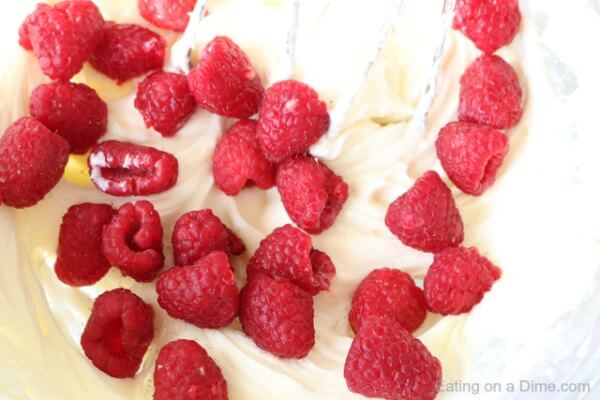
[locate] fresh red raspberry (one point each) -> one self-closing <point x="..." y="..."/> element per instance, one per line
<point x="72" y="110"/>
<point x="292" y="118"/>
<point x="132" y="241"/>
<point x="224" y="81"/>
<point x="312" y="194"/>
<point x="288" y="253"/>
<point x="32" y="161"/>
<point x="238" y="162"/>
<point x="490" y="24"/>
<point x="184" y="371"/>
<point x="278" y="316"/>
<point x="386" y="361"/>
<point x="471" y="154"/>
<point x="388" y="293"/>
<point x="165" y="102"/>
<point x="80" y="260"/>
<point x="198" y="233"/>
<point x="126" y="169"/>
<point x="127" y="51"/>
<point x="62" y="37"/>
<point x="167" y="14"/>
<point x="490" y="93"/>
<point x="457" y="280"/>
<point x="118" y="333"/>
<point x="203" y="294"/>
<point x="426" y="217"/>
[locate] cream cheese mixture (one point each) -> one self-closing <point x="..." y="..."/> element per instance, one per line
<point x="379" y="153"/>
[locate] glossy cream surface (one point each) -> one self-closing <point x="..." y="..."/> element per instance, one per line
<point x="379" y="152"/>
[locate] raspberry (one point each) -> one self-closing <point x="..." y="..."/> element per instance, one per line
<point x="278" y="316"/>
<point x="313" y="195"/>
<point x="471" y="154"/>
<point x="457" y="280"/>
<point x="490" y="24"/>
<point x="126" y="169"/>
<point x="198" y="233"/>
<point x="132" y="241"/>
<point x="490" y="93"/>
<point x="386" y="361"/>
<point x="388" y="293"/>
<point x="62" y="37"/>
<point x="32" y="161"/>
<point x="72" y="110"/>
<point x="288" y="253"/>
<point x="203" y="294"/>
<point x="292" y="118"/>
<point x="165" y="102"/>
<point x="224" y="81"/>
<point x="127" y="51"/>
<point x="167" y="14"/>
<point x="184" y="371"/>
<point x="238" y="162"/>
<point x="426" y="217"/>
<point x="118" y="333"/>
<point x="80" y="260"/>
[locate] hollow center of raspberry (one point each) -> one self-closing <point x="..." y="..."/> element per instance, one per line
<point x="331" y="209"/>
<point x="113" y="338"/>
<point x="132" y="239"/>
<point x="489" y="172"/>
<point x="120" y="173"/>
<point x="323" y="270"/>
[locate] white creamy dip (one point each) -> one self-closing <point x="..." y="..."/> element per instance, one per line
<point x="379" y="154"/>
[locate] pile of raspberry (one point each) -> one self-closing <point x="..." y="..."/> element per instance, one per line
<point x="385" y="360"/>
<point x="268" y="145"/>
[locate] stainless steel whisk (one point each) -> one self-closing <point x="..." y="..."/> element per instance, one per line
<point x="182" y="50"/>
